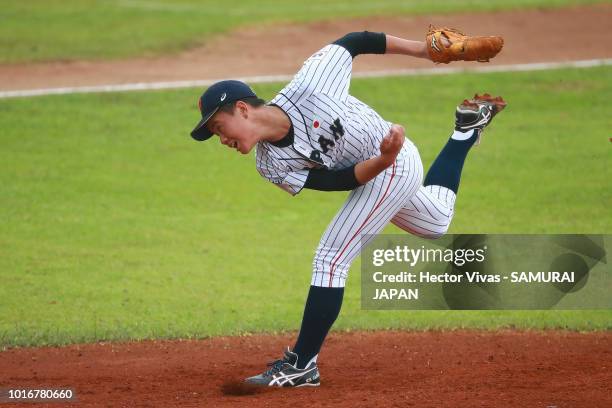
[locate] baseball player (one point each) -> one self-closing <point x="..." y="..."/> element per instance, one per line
<point x="315" y="135"/>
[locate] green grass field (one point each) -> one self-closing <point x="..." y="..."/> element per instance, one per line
<point x="43" y="30"/>
<point x="116" y="225"/>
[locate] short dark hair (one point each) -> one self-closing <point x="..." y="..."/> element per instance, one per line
<point x="252" y="101"/>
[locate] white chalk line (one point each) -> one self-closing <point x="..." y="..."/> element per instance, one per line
<point x="146" y="86"/>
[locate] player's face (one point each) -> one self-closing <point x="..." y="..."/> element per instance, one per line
<point x="234" y="129"/>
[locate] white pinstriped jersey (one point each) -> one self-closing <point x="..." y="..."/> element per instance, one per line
<point x="332" y="129"/>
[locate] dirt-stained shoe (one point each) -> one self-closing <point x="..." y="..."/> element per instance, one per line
<point x="284" y="373"/>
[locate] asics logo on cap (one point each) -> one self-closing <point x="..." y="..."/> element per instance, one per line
<point x="223" y="96"/>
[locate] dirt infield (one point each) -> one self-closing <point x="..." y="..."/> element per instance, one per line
<point x="531" y="36"/>
<point x="407" y="369"/>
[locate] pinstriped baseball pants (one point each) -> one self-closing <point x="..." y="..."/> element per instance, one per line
<point x="395" y="195"/>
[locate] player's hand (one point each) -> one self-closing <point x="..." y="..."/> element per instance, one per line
<point x="392" y="144"/>
<point x="389" y="149"/>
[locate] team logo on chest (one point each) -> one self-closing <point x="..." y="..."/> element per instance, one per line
<point x="337" y="130"/>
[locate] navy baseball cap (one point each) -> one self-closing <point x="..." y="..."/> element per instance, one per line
<point x="217" y="95"/>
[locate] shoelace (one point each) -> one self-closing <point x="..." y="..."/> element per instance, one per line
<point x="276" y="367"/>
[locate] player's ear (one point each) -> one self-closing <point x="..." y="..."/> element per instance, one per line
<point x="243" y="108"/>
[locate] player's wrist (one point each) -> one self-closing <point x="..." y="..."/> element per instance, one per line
<point x="367" y="170"/>
<point x="386" y="160"/>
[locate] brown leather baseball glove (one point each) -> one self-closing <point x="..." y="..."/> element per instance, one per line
<point x="448" y="44"/>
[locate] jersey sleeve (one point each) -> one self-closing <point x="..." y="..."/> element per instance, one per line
<point x="290" y="179"/>
<point x="327" y="71"/>
<point x="294" y="181"/>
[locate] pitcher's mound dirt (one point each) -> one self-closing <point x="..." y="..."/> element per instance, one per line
<point x="403" y="369"/>
<point x="565" y="34"/>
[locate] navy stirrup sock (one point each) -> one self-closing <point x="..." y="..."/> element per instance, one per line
<point x="322" y="309"/>
<point x="446" y="169"/>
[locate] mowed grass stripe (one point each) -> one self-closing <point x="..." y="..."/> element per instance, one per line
<point x="116" y="225"/>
